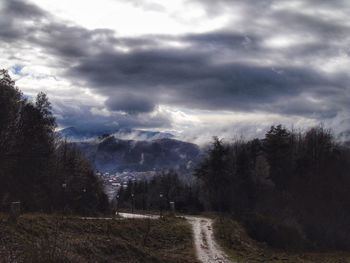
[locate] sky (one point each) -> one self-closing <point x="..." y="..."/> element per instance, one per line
<point x="197" y="68"/>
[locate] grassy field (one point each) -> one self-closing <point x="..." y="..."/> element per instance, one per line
<point x="241" y="248"/>
<point x="43" y="238"/>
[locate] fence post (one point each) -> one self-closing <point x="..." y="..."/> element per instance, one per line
<point x="172" y="208"/>
<point x="15" y="211"/>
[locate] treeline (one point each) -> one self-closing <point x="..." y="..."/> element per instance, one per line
<point x="290" y="189"/>
<point x="157" y="193"/>
<point x="36" y="168"/>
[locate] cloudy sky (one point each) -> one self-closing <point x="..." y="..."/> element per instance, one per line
<point x="194" y="67"/>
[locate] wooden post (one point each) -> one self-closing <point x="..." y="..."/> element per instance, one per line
<point x="117" y="204"/>
<point x="15" y="211"/>
<point x="160" y="205"/>
<point x="172" y="208"/>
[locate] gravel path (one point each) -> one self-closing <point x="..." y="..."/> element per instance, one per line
<point x="138" y="216"/>
<point x="208" y="251"/>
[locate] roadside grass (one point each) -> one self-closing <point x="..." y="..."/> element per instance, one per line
<point x="47" y="238"/>
<point x="241" y="248"/>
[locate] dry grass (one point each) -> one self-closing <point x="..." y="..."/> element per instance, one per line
<point x="241" y="248"/>
<point x="43" y="238"/>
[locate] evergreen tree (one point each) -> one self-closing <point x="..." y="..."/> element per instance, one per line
<point x="278" y="149"/>
<point x="215" y="172"/>
<point x="34" y="165"/>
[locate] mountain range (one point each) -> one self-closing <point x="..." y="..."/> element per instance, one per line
<point x="133" y="150"/>
<point x="75" y="134"/>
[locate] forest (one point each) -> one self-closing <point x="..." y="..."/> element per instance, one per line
<point x="289" y="189"/>
<point x="43" y="172"/>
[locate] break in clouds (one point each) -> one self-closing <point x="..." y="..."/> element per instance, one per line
<point x="221" y="67"/>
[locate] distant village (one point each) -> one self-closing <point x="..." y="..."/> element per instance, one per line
<point x="112" y="182"/>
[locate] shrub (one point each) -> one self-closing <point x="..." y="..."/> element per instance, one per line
<point x="275" y="233"/>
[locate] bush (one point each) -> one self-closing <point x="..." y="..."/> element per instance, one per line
<point x="275" y="233"/>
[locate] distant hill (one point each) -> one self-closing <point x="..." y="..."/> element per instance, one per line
<point x="133" y="150"/>
<point x="75" y="134"/>
<point x="110" y="154"/>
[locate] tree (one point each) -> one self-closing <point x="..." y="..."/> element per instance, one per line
<point x="215" y="172"/>
<point x="168" y="183"/>
<point x="34" y="165"/>
<point x="278" y="149"/>
<point x="10" y="105"/>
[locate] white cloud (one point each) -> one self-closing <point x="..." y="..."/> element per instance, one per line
<point x="129" y="19"/>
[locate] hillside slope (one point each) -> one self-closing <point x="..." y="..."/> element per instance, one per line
<point x="111" y="154"/>
<point x="234" y="238"/>
<point x="55" y="239"/>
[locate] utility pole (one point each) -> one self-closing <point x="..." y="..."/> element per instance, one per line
<point x="160" y="205"/>
<point x="84" y="200"/>
<point x="132" y="203"/>
<point x="117" y="204"/>
<point x="64" y="187"/>
<point x="172" y="208"/>
<point x="132" y="196"/>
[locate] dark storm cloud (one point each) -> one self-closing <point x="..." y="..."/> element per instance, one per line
<point x="226" y="69"/>
<point x="73" y="42"/>
<point x="22" y="21"/>
<point x="224" y="39"/>
<point x="190" y="79"/>
<point x="12" y="14"/>
<point x="68" y="115"/>
<point x="70" y="43"/>
<point x="264" y="6"/>
<point x="261" y="18"/>
<point x="22" y="9"/>
<point x="320" y="27"/>
<point x="131" y="104"/>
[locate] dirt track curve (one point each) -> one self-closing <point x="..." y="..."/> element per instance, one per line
<point x="208" y="251"/>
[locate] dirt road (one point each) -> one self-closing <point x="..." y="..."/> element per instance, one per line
<point x="208" y="251"/>
<point x="138" y="216"/>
